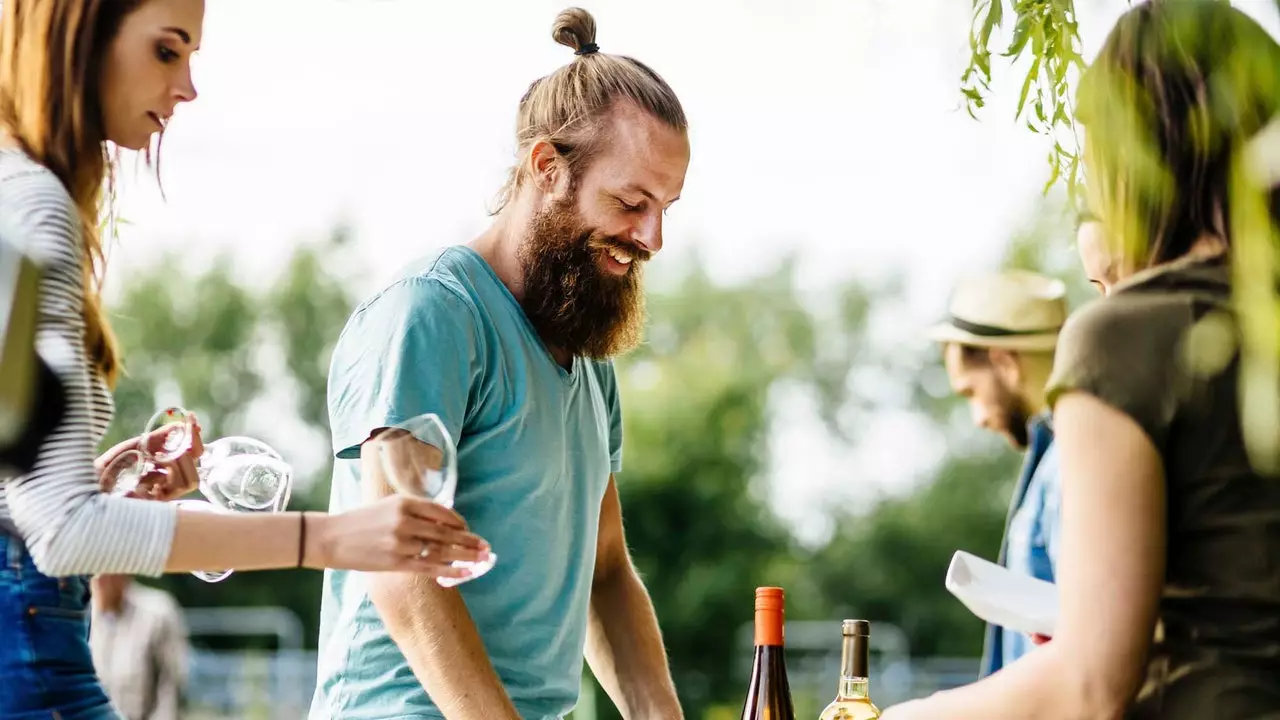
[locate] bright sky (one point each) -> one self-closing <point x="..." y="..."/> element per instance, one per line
<point x="828" y="127"/>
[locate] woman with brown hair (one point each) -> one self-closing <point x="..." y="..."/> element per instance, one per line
<point x="1169" y="575"/>
<point x="76" y="78"/>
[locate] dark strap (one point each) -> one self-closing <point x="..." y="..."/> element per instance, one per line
<point x="993" y="331"/>
<point x="50" y="403"/>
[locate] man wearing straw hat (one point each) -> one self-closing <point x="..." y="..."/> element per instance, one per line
<point x="998" y="343"/>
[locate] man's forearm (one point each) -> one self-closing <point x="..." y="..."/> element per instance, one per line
<point x="434" y="630"/>
<point x="625" y="651"/>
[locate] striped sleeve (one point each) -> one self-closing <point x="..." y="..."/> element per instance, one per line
<point x="68" y="525"/>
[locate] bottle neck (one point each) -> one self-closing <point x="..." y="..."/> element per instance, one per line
<point x="769" y="624"/>
<point x="854" y="683"/>
<point x="854" y="688"/>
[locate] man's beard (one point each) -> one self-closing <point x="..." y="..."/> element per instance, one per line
<point x="573" y="302"/>
<point x="1016" y="417"/>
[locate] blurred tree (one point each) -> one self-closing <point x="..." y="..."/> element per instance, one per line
<point x="696" y="403"/>
<point x="310" y="306"/>
<point x="208" y="345"/>
<point x="888" y="564"/>
<point x="199" y="339"/>
<point x="1046" y="243"/>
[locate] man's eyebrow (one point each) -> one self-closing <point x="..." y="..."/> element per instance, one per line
<point x="636" y="188"/>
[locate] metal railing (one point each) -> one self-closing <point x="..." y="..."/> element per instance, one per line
<point x="278" y="684"/>
<point x="250" y="684"/>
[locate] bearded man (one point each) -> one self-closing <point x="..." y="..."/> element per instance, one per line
<point x="998" y="345"/>
<point x="509" y="339"/>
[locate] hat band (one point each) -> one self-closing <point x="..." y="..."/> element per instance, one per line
<point x="992" y="331"/>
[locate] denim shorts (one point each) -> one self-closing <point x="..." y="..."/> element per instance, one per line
<point x="46" y="668"/>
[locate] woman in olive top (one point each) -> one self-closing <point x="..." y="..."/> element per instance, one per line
<point x="1169" y="574"/>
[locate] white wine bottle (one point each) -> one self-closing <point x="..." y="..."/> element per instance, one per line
<point x="853" y="697"/>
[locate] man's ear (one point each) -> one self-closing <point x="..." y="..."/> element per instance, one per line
<point x="546" y="168"/>
<point x="1008" y="366"/>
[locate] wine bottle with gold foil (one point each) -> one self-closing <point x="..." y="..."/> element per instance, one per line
<point x="853" y="697"/>
<point x="769" y="694"/>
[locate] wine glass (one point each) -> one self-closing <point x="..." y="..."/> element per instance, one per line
<point x="241" y="474"/>
<point x="168" y="434"/>
<point x="236" y="473"/>
<point x="419" y="459"/>
<point x="205" y="506"/>
<point x="244" y="474"/>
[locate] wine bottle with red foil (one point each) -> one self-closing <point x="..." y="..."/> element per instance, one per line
<point x="769" y="694"/>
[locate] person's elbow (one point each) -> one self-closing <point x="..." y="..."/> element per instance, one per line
<point x="56" y="531"/>
<point x="1086" y="704"/>
<point x="1094" y="690"/>
<point x="613" y="570"/>
<point x="398" y="596"/>
<point x="387" y="590"/>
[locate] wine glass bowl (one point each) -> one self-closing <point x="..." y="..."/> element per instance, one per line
<point x="225" y="447"/>
<point x="168" y="434"/>
<point x="246" y="482"/>
<point x="419" y="459"/>
<point x="125" y="471"/>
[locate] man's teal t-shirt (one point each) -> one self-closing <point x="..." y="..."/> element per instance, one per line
<point x="536" y="446"/>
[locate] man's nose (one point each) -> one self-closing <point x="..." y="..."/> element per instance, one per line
<point x="648" y="233"/>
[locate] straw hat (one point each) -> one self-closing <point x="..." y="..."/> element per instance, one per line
<point x="1012" y="309"/>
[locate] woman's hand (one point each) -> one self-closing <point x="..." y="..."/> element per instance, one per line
<point x="394" y="533"/>
<point x="109" y="464"/>
<point x="176" y="478"/>
<point x="167" y="480"/>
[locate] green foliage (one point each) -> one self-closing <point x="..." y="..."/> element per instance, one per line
<point x="310" y="306"/>
<point x="1047" y="30"/>
<point x="199" y="344"/>
<point x="888" y="564"/>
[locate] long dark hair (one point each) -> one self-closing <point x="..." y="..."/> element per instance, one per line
<point x="51" y="58"/>
<point x="1169" y="108"/>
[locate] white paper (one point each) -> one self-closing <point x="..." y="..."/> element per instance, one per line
<point x="1012" y="600"/>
